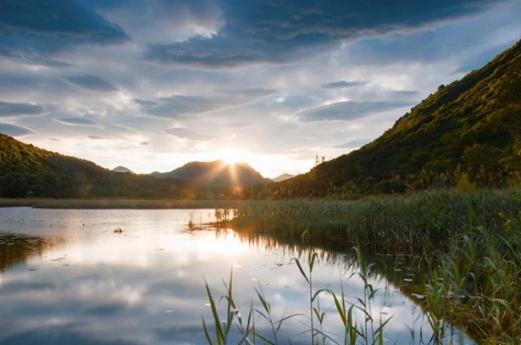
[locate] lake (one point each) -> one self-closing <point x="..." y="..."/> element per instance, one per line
<point x="67" y="277"/>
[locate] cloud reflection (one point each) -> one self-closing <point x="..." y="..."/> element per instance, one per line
<point x="145" y="285"/>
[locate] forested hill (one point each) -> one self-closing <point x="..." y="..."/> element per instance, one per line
<point x="28" y="171"/>
<point x="468" y="132"/>
<point x="218" y="174"/>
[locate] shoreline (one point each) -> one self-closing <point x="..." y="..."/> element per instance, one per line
<point x="97" y="204"/>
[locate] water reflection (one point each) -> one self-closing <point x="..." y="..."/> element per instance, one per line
<point x="145" y="284"/>
<point x="16" y="248"/>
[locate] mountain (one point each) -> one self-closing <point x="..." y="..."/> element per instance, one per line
<point x="282" y="177"/>
<point x="468" y="132"/>
<point x="122" y="169"/>
<point x="217" y="174"/>
<point x="28" y="171"/>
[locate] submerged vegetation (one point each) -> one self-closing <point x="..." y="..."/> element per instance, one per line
<point x="467" y="247"/>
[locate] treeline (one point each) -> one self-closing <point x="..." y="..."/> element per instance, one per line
<point x="27" y="171"/>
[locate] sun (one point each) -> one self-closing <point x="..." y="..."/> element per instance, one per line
<point x="232" y="156"/>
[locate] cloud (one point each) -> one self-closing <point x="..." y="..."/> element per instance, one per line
<point x="249" y="92"/>
<point x="342" y="84"/>
<point x="349" y="110"/>
<point x="92" y="82"/>
<point x="15" y="131"/>
<point x="475" y="61"/>
<point x="77" y="121"/>
<point x="163" y="20"/>
<point x="353" y="144"/>
<point x="405" y="93"/>
<point x="185" y="133"/>
<point x="214" y="52"/>
<point x="275" y="32"/>
<point x="34" y="30"/>
<point x="177" y="106"/>
<point x="12" y="109"/>
<point x="477" y="39"/>
<point x="289" y="57"/>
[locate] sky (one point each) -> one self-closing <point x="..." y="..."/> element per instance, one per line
<point x="153" y="84"/>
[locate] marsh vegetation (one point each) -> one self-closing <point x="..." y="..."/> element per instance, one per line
<point x="464" y="248"/>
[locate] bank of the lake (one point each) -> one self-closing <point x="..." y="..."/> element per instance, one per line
<point x="149" y="204"/>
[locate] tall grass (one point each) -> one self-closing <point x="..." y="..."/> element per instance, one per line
<point x="368" y="332"/>
<point x="467" y="245"/>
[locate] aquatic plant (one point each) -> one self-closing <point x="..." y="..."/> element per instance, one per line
<point x="468" y="245"/>
<point x="368" y="332"/>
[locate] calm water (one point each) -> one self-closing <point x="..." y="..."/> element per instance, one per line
<point x="67" y="278"/>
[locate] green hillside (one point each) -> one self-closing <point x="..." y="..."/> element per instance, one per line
<point x="466" y="133"/>
<point x="217" y="174"/>
<point x="28" y="171"/>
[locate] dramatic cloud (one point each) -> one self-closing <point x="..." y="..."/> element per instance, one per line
<point x="15" y="131"/>
<point x="92" y="82"/>
<point x="185" y="133"/>
<point x="77" y="121"/>
<point x="157" y="83"/>
<point x="248" y="93"/>
<point x="440" y="43"/>
<point x="163" y="20"/>
<point x="33" y="30"/>
<point x="177" y="106"/>
<point x="349" y="110"/>
<point x="12" y="109"/>
<point x="274" y="32"/>
<point x="406" y="93"/>
<point x="342" y="84"/>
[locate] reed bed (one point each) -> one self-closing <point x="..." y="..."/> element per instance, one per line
<point x="469" y="243"/>
<point x="420" y="222"/>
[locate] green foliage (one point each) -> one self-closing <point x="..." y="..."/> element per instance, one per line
<point x="471" y="126"/>
<point x="415" y="223"/>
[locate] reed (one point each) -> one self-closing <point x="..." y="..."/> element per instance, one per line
<point x="469" y="245"/>
<point x="369" y="332"/>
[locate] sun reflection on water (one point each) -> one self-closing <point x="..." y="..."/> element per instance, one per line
<point x="147" y="281"/>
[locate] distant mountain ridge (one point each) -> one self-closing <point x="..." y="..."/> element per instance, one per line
<point x="29" y="171"/>
<point x="282" y="177"/>
<point x="122" y="169"/>
<point x="468" y="132"/>
<point x="218" y="174"/>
